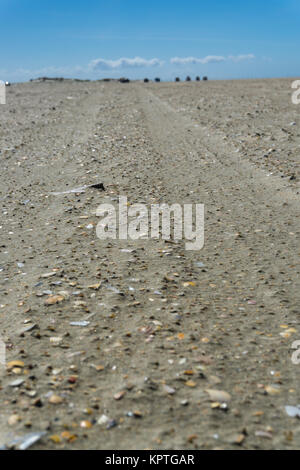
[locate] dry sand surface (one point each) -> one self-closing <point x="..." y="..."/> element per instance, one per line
<point x="183" y="349"/>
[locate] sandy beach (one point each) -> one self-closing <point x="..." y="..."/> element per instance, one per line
<point x="123" y="344"/>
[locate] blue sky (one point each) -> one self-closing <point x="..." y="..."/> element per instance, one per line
<point x="134" y="38"/>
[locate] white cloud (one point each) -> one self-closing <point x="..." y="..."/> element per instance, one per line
<point x="123" y="63"/>
<point x="240" y="57"/>
<point x="195" y="60"/>
<point x="210" y="59"/>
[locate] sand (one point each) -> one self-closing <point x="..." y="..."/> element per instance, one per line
<point x="177" y="325"/>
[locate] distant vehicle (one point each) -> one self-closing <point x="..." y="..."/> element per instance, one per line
<point x="177" y="79"/>
<point x="146" y="80"/>
<point x="7" y="83"/>
<point x="197" y="79"/>
<point x="124" y="80"/>
<point x="205" y="78"/>
<point x="188" y="79"/>
<point x="157" y="80"/>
